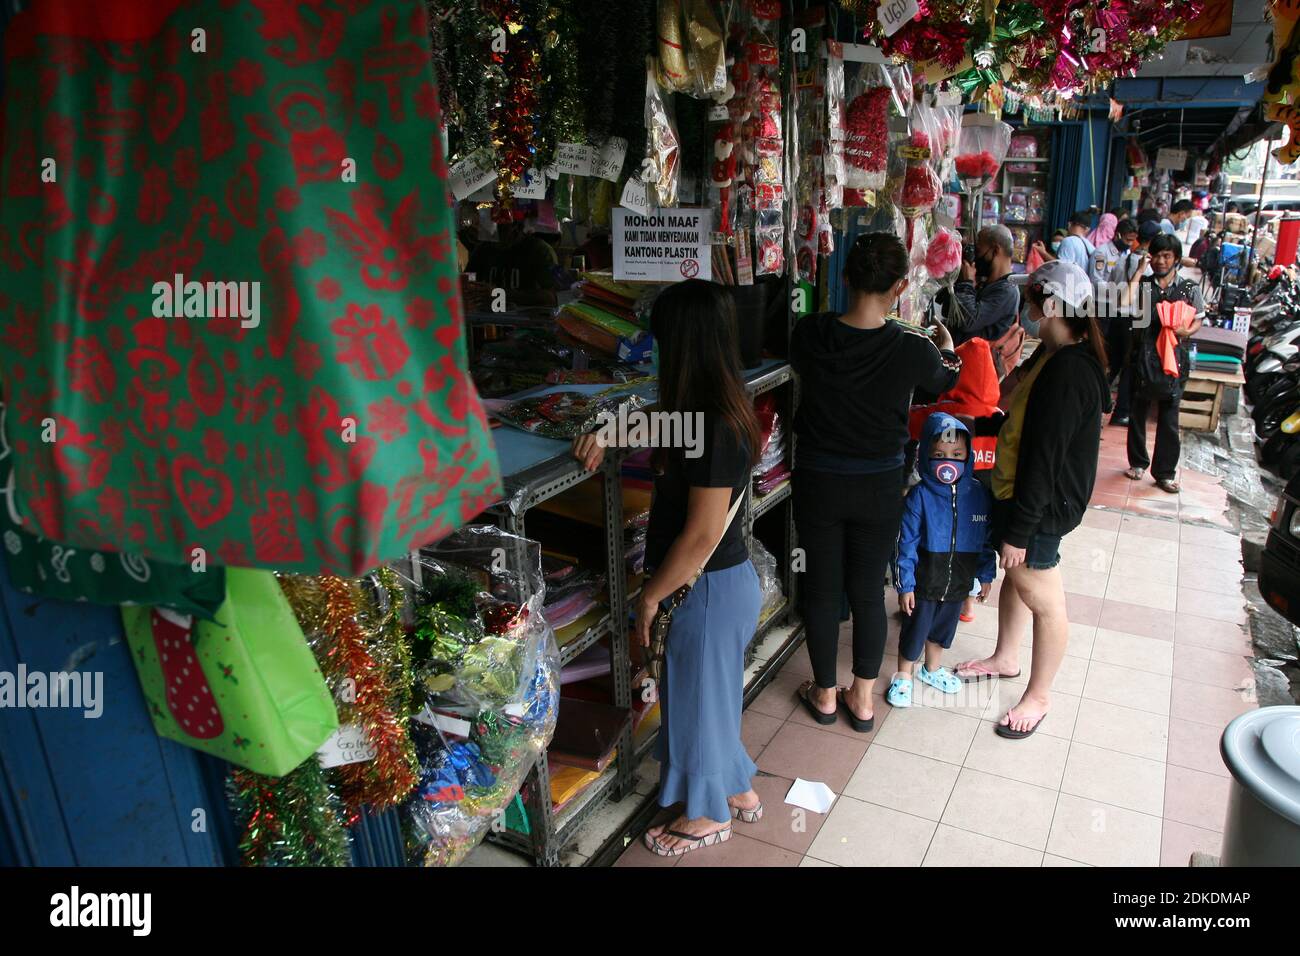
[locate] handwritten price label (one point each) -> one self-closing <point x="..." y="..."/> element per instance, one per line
<point x="892" y="14"/>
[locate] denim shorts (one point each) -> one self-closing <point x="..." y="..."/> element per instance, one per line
<point x="1042" y="553"/>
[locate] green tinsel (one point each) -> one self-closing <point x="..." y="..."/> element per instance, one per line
<point x="562" y="90"/>
<point x="473" y="83"/>
<point x="288" y="821"/>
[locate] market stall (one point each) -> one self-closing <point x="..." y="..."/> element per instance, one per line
<point x="421" y="626"/>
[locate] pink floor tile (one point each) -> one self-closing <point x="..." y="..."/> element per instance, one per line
<point x="1220" y="607"/>
<point x="757" y="731"/>
<point x="1212" y="538"/>
<point x="1195" y="798"/>
<point x="814" y="754"/>
<point x="1133" y="619"/>
<point x="1206" y="704"/>
<point x="1204" y="666"/>
<point x="1149" y="527"/>
<point x="1195" y="746"/>
<point x="1101" y="520"/>
<point x="1214" y="515"/>
<point x="1216" y="635"/>
<point x="777" y="827"/>
<point x="1151" y="508"/>
<point x="1179" y="841"/>
<point x="1220" y="578"/>
<point x="741" y="850"/>
<point x="1082" y="608"/>
<point x="1104" y="500"/>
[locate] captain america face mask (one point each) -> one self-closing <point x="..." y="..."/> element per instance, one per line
<point x="946" y="470"/>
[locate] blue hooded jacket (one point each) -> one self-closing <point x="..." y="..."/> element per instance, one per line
<point x="944" y="543"/>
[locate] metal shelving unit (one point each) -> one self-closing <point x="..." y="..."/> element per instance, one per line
<point x="537" y="470"/>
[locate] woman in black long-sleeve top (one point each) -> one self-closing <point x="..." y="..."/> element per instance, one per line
<point x="857" y="372"/>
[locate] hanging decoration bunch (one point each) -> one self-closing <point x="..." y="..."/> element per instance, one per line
<point x="370" y="675"/>
<point x="562" y="88"/>
<point x="514" y="118"/>
<point x="287" y="821"/>
<point x="470" y="83"/>
<point x="940" y="32"/>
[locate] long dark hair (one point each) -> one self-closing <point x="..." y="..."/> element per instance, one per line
<point x="694" y="323"/>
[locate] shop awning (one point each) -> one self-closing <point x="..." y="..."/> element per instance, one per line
<point x="1200" y="114"/>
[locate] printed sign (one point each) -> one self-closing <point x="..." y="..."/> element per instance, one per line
<point x="472" y="173"/>
<point x="662" y="245"/>
<point x="892" y="14"/>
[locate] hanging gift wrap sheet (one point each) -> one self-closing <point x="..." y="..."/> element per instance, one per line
<point x="244" y="688"/>
<point x="232" y="320"/>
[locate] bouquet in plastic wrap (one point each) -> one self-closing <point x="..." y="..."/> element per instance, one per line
<point x="873" y="96"/>
<point x="981" y="149"/>
<point x="487" y="675"/>
<point x="920" y="187"/>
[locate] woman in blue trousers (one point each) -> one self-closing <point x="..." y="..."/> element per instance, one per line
<point x="695" y="530"/>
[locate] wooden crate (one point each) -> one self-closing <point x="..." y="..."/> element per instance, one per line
<point x="1203" y="399"/>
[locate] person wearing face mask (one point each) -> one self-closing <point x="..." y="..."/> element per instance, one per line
<point x="1151" y="386"/>
<point x="1048" y="444"/>
<point x="989" y="301"/>
<point x="857" y="373"/>
<point x="943" y="545"/>
<point x="1132" y="265"/>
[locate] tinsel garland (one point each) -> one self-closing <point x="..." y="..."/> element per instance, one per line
<point x="331" y="608"/>
<point x="514" y="120"/>
<point x="287" y="821"/>
<point x="469" y="82"/>
<point x="562" y="88"/>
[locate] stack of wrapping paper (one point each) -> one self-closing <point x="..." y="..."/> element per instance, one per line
<point x="604" y="318"/>
<point x="1219" y="350"/>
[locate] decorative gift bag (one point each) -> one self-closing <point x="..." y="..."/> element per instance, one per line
<point x="53" y="570"/>
<point x="245" y="688"/>
<point x="231" y="312"/>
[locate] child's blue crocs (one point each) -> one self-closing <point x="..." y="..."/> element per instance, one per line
<point x="941" y="679"/>
<point x="900" y="692"/>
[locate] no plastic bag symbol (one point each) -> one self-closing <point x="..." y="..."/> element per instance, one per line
<point x="690" y="268"/>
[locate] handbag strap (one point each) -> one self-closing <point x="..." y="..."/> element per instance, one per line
<point x="731" y="516"/>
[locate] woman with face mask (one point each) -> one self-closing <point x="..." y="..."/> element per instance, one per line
<point x="1047" y="461"/>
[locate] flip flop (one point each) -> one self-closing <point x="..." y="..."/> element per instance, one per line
<point x="697" y="842"/>
<point x="820" y="716"/>
<point x="976" y="671"/>
<point x="967" y="618"/>
<point x="1004" y="730"/>
<point x="1168" y="485"/>
<point x="856" y="722"/>
<point x="748" y="816"/>
<point x="1135" y="473"/>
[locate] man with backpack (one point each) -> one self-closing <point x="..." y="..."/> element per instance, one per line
<point x="1152" y="383"/>
<point x="992" y="309"/>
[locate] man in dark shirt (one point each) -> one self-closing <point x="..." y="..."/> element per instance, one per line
<point x="993" y="306"/>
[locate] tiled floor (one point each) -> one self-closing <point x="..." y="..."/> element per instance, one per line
<point x="1124" y="771"/>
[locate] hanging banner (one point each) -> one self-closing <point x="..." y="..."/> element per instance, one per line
<point x="661" y="245"/>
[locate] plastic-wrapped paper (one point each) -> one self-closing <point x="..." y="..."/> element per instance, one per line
<point x="706" y="48"/>
<point x="660" y="170"/>
<point x="563" y="415"/>
<point x="769" y="577"/>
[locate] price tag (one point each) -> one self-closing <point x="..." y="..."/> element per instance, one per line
<point x="718" y="112"/>
<point x="531" y="186"/>
<point x="452" y="726"/>
<point x="635" y="195"/>
<point x="574" y="159"/>
<point x="608" y="160"/>
<point x="892" y="14"/>
<point x="472" y="173"/>
<point x="914" y="152"/>
<point x="348" y="744"/>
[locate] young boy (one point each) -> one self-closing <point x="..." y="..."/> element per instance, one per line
<point x="943" y="545"/>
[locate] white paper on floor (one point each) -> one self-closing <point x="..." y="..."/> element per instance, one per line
<point x="810" y="795"/>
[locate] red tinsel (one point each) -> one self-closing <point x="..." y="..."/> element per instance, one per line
<point x="866" y="135"/>
<point x="513" y="121"/>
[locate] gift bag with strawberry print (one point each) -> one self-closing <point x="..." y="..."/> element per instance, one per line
<point x="228" y="282"/>
<point x="244" y="687"/>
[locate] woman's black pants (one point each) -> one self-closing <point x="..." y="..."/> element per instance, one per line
<point x="848" y="529"/>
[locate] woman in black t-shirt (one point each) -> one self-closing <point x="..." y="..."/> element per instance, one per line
<point x="702" y="761"/>
<point x="857" y="372"/>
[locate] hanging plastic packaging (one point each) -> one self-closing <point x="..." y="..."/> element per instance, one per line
<point x="660" y="168"/>
<point x="981" y="149"/>
<point x="707" y="50"/>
